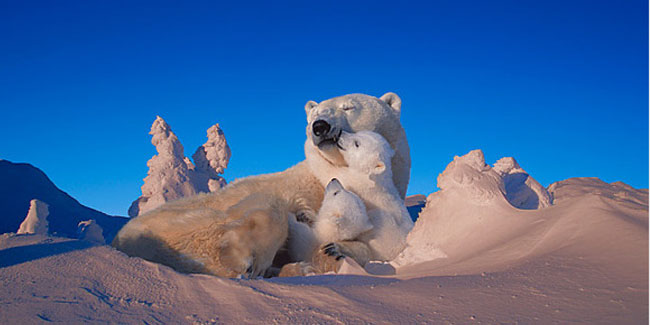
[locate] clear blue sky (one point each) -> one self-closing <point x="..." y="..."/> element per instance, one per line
<point x="560" y="85"/>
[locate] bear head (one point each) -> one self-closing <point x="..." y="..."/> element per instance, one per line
<point x="342" y="215"/>
<point x="353" y="113"/>
<point x="366" y="152"/>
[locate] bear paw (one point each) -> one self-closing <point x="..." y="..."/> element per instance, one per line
<point x="334" y="250"/>
<point x="328" y="259"/>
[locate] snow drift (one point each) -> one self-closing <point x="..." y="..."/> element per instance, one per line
<point x="172" y="176"/>
<point x="474" y="209"/>
<point x="481" y="221"/>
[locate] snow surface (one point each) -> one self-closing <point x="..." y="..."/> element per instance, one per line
<point x="172" y="176"/>
<point x="582" y="259"/>
<point x="36" y="220"/>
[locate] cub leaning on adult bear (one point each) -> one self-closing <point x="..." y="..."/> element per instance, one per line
<point x="259" y="205"/>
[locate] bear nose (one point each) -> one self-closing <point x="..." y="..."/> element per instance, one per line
<point x="320" y="127"/>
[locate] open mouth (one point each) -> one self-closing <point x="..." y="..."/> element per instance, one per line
<point x="334" y="140"/>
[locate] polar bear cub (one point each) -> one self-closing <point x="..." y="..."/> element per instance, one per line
<point x="369" y="175"/>
<point x="342" y="216"/>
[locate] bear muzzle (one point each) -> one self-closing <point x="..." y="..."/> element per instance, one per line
<point x="324" y="134"/>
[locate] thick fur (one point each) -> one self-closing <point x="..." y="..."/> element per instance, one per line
<point x="342" y="216"/>
<point x="299" y="188"/>
<point x="368" y="157"/>
<point x="195" y="235"/>
<point x="354" y="113"/>
<point x="369" y="175"/>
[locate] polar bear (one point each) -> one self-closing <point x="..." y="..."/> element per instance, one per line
<point x="369" y="174"/>
<point x="342" y="216"/>
<point x="368" y="171"/>
<point x="298" y="189"/>
<point x="192" y="238"/>
<point x="354" y="113"/>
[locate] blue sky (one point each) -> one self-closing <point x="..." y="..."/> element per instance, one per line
<point x="560" y="85"/>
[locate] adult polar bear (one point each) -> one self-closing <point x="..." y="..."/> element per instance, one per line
<point x="250" y="213"/>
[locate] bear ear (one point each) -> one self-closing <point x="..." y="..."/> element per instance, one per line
<point x="310" y="104"/>
<point x="333" y="185"/>
<point x="393" y="101"/>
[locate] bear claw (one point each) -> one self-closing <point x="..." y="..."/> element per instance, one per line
<point x="332" y="249"/>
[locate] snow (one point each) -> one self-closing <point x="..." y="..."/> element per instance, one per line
<point x="521" y="190"/>
<point x="473" y="210"/>
<point x="212" y="158"/>
<point x="584" y="258"/>
<point x="172" y="176"/>
<point x="90" y="231"/>
<point x="36" y="220"/>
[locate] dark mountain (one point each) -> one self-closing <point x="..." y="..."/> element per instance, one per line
<point x="20" y="183"/>
<point x="415" y="204"/>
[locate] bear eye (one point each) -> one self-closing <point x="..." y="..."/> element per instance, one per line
<point x="337" y="192"/>
<point x="347" y="108"/>
<point x="356" y="143"/>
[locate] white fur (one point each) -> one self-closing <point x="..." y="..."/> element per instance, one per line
<point x="359" y="112"/>
<point x="342" y="216"/>
<point x="368" y="156"/>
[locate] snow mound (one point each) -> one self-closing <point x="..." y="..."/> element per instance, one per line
<point x="454" y="222"/>
<point x="618" y="191"/>
<point x="483" y="219"/>
<point x="90" y="231"/>
<point x="36" y="220"/>
<point x="172" y="176"/>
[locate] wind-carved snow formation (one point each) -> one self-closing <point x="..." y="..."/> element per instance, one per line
<point x="521" y="190"/>
<point x="476" y="207"/>
<point x="211" y="159"/>
<point x="172" y="175"/>
<point x="90" y="231"/>
<point x="36" y="220"/>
